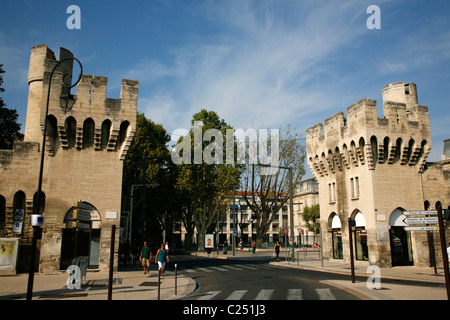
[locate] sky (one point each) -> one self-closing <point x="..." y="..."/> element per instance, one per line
<point x="257" y="63"/>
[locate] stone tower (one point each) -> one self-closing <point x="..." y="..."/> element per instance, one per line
<point x="370" y="169"/>
<point x="84" y="153"/>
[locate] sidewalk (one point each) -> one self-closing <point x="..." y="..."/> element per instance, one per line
<point x="128" y="284"/>
<point x="395" y="283"/>
<point x="132" y="284"/>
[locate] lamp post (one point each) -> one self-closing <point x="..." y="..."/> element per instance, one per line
<point x="66" y="101"/>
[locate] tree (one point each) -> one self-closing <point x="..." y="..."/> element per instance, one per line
<point x="9" y="128"/>
<point x="311" y="217"/>
<point x="150" y="140"/>
<point x="208" y="181"/>
<point x="266" y="194"/>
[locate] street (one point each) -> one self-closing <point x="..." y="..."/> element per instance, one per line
<point x="253" y="278"/>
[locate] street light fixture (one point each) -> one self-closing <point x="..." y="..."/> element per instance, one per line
<point x="66" y="103"/>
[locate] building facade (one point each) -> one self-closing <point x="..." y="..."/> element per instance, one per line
<point x="82" y="174"/>
<point x="371" y="170"/>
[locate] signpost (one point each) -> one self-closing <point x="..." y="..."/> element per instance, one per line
<point x="439" y="226"/>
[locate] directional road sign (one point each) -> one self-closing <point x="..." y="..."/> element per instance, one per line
<point x="425" y="220"/>
<point x="429" y="228"/>
<point x="410" y="213"/>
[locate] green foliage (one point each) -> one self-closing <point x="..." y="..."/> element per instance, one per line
<point x="9" y="128"/>
<point x="207" y="185"/>
<point x="311" y="217"/>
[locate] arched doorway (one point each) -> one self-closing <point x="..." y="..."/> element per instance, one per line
<point x="336" y="236"/>
<point x="81" y="235"/>
<point x="361" y="247"/>
<point x="401" y="249"/>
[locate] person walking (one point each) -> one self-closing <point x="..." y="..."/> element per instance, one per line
<point x="277" y="250"/>
<point x="161" y="258"/>
<point x="254" y="247"/>
<point x="146" y="255"/>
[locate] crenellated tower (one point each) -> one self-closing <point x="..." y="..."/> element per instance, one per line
<point x="83" y="164"/>
<point x="369" y="169"/>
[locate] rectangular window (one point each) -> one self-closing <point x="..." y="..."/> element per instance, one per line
<point x="354" y="183"/>
<point x="332" y="190"/>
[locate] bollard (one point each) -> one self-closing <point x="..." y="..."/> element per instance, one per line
<point x="175" y="279"/>
<point x="159" y="283"/>
<point x="111" y="262"/>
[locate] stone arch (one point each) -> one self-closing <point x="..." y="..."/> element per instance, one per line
<point x="105" y="134"/>
<point x="125" y="127"/>
<point x="334" y="223"/>
<point x="88" y="133"/>
<point x="41" y="204"/>
<point x="70" y="127"/>
<point x="386" y="148"/>
<point x="52" y="134"/>
<point x="398" y="150"/>
<point x="362" y="152"/>
<point x="400" y="240"/>
<point x="81" y="235"/>
<point x="374" y="149"/>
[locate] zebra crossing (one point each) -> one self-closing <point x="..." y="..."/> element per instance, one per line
<point x="225" y="268"/>
<point x="266" y="294"/>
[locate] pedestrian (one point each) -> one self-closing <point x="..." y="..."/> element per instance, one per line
<point x="277" y="250"/>
<point x="167" y="247"/>
<point x="254" y="246"/>
<point x="146" y="255"/>
<point x="161" y="258"/>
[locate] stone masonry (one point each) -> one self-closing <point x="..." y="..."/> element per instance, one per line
<point x="372" y="169"/>
<point x="83" y="163"/>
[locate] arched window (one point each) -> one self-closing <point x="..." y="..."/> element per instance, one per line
<point x="52" y="133"/>
<point x="106" y="131"/>
<point x="398" y="150"/>
<point x="362" y="144"/>
<point x="70" y="126"/>
<point x="18" y="211"/>
<point x="122" y="134"/>
<point x="374" y="147"/>
<point x="41" y="202"/>
<point x="386" y="148"/>
<point x="88" y="133"/>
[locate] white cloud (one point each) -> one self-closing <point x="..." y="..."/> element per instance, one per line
<point x="258" y="75"/>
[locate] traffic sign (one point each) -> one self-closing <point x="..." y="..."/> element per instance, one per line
<point x="286" y="230"/>
<point x="425" y="220"/>
<point x="410" y="213"/>
<point x="429" y="228"/>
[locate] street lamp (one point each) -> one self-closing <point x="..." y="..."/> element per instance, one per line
<point x="66" y="103"/>
<point x="291" y="202"/>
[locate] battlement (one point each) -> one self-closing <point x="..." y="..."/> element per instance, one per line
<point x="92" y="114"/>
<point x="399" y="111"/>
<point x="405" y="125"/>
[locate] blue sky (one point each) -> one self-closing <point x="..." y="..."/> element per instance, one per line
<point x="257" y="63"/>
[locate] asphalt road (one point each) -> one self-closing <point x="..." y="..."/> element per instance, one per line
<point x="255" y="279"/>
